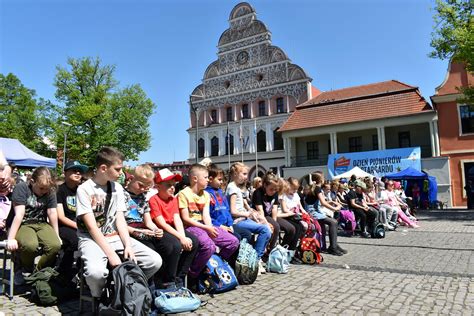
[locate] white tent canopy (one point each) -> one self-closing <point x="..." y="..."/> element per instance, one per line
<point x="359" y="173"/>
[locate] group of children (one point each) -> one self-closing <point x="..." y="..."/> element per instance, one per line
<point x="173" y="234"/>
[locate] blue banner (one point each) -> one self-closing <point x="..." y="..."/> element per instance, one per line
<point x="377" y="162"/>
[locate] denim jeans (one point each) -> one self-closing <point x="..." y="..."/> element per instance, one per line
<point x="263" y="231"/>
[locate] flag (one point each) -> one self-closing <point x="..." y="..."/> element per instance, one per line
<point x="241" y="132"/>
<point x="255" y="128"/>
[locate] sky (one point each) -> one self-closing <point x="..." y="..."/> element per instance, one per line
<point x="165" y="46"/>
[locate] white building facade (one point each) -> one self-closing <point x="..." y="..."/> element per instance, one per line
<point x="245" y="97"/>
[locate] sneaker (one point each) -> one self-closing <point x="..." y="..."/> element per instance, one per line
<point x="334" y="252"/>
<point x="344" y="251"/>
<point x="18" y="278"/>
<point x="261" y="267"/>
<point x="296" y="260"/>
<point x="388" y="227"/>
<point x="364" y="235"/>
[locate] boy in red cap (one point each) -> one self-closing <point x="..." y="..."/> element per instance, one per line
<point x="165" y="214"/>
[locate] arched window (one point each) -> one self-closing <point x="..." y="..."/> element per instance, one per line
<point x="277" y="140"/>
<point x="201" y="148"/>
<point x="245" y="111"/>
<point x="214" y="146"/>
<point x="229" y="144"/>
<point x="261" y="141"/>
<point x="214" y="116"/>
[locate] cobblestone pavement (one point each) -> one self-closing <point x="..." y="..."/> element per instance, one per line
<point x="412" y="271"/>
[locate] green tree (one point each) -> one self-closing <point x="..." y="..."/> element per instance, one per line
<point x="21" y="114"/>
<point x="453" y="35"/>
<point x="100" y="112"/>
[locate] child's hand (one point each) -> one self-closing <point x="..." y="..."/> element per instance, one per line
<point x="158" y="233"/>
<point x="129" y="254"/>
<point x="12" y="244"/>
<point x="114" y="260"/>
<point x="186" y="243"/>
<point x="212" y="231"/>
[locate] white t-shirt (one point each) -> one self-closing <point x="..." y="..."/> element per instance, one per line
<point x="291" y="200"/>
<point x="232" y="189"/>
<point x="91" y="199"/>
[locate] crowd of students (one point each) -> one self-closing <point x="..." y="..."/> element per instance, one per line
<point x="171" y="226"/>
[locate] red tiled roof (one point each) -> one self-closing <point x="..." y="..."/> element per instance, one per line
<point x="357" y="91"/>
<point x="355" y="104"/>
<point x="315" y="91"/>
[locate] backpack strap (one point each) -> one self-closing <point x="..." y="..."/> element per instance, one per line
<point x="108" y="198"/>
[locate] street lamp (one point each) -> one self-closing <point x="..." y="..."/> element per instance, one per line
<point x="196" y="114"/>
<point x="65" y="140"/>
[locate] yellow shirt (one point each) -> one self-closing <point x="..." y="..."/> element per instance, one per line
<point x="193" y="202"/>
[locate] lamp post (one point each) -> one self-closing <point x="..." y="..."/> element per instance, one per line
<point x="65" y="140"/>
<point x="196" y="114"/>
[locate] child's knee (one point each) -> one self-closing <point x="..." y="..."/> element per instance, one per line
<point x="29" y="245"/>
<point x="96" y="273"/>
<point x="208" y="246"/>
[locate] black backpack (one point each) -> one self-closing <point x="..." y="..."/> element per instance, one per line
<point x="130" y="293"/>
<point x="378" y="231"/>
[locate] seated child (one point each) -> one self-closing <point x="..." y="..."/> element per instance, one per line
<point x="66" y="197"/>
<point x="194" y="207"/>
<point x="165" y="214"/>
<point x="244" y="216"/>
<point x="219" y="205"/>
<point x="102" y="229"/>
<point x="34" y="204"/>
<point x="142" y="228"/>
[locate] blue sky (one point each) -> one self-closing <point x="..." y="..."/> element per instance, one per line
<point x="165" y="46"/>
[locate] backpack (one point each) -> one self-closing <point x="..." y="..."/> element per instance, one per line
<point x="246" y="266"/>
<point x="378" y="231"/>
<point x="310" y="251"/>
<point x="279" y="260"/>
<point x="217" y="276"/>
<point x="175" y="300"/>
<point x="130" y="293"/>
<point x="48" y="289"/>
<point x="347" y="220"/>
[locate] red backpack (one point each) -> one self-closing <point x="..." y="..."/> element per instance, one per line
<point x="310" y="251"/>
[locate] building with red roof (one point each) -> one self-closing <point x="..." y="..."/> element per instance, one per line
<point x="382" y="115"/>
<point x="456" y="129"/>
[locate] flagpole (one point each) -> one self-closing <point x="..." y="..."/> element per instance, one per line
<point x="241" y="140"/>
<point x="228" y="144"/>
<point x="256" y="149"/>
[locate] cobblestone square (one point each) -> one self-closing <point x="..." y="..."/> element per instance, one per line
<point x="412" y="271"/>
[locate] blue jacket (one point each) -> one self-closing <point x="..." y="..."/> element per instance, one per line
<point x="219" y="208"/>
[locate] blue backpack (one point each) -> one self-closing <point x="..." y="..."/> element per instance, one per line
<point x="217" y="277"/>
<point x="175" y="300"/>
<point x="279" y="260"/>
<point x="246" y="266"/>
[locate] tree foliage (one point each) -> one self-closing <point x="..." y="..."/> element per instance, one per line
<point x="453" y="35"/>
<point x="21" y="114"/>
<point x="100" y="113"/>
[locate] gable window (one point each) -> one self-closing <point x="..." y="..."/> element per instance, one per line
<point x="404" y="139"/>
<point x="229" y="144"/>
<point x="229" y="115"/>
<point x="262" y="111"/>
<point x="280" y="105"/>
<point x="355" y="144"/>
<point x="214" y="116"/>
<point x="261" y="141"/>
<point x="214" y="146"/>
<point x="312" y="150"/>
<point x="245" y="111"/>
<point x="277" y="140"/>
<point x="200" y="148"/>
<point x="466" y="114"/>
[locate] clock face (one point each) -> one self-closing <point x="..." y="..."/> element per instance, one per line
<point x="242" y="57"/>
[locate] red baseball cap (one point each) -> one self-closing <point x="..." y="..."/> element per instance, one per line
<point x="166" y="175"/>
